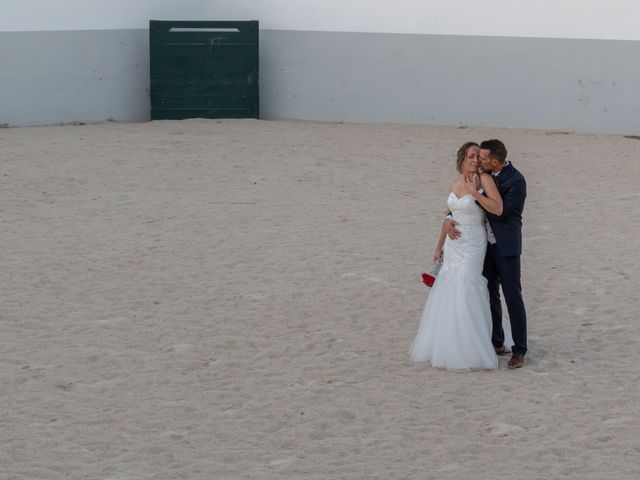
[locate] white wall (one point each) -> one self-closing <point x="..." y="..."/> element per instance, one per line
<point x="589" y="19"/>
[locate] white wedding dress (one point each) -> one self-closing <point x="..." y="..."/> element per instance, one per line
<point x="455" y="330"/>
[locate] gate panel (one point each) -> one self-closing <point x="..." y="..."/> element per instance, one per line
<point x="204" y="69"/>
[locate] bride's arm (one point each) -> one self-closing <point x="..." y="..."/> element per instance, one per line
<point x="492" y="202"/>
<point x="437" y="255"/>
<point x="447" y="223"/>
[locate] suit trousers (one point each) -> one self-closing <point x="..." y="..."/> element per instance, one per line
<point x="505" y="271"/>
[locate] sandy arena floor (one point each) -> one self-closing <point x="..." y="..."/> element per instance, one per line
<point x="235" y="300"/>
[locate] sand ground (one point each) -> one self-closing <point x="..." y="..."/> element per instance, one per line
<point x="235" y="300"/>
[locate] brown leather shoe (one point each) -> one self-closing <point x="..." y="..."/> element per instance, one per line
<point x="500" y="350"/>
<point x="517" y="361"/>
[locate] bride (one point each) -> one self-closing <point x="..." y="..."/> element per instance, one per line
<point x="455" y="330"/>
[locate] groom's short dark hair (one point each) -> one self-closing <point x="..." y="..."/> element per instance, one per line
<point x="496" y="148"/>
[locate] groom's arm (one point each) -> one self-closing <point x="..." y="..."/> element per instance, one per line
<point x="449" y="227"/>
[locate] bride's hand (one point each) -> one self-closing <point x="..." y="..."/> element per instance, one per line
<point x="437" y="256"/>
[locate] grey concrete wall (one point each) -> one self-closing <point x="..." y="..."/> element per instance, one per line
<point x="582" y="85"/>
<point x="563" y="84"/>
<point x="52" y="77"/>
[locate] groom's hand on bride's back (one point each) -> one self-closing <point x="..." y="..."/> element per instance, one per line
<point x="450" y="228"/>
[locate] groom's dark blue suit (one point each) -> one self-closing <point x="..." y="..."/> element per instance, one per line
<point x="502" y="261"/>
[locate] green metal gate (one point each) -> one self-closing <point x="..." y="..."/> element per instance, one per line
<point x="203" y="69"/>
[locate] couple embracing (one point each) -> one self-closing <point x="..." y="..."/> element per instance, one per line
<point x="462" y="326"/>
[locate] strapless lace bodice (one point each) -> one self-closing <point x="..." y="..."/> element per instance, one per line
<point x="465" y="256"/>
<point x="465" y="210"/>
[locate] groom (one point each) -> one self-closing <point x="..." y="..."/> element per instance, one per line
<point x="502" y="261"/>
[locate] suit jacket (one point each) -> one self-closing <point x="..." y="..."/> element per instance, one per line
<point x="507" y="227"/>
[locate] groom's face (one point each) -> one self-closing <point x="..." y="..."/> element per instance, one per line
<point x="486" y="161"/>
